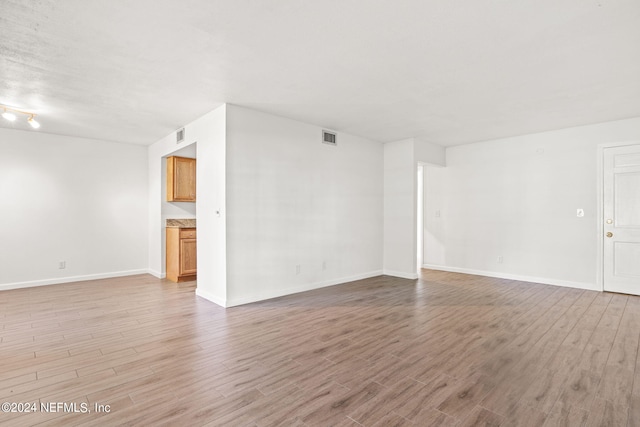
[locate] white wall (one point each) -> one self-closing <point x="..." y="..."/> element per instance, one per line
<point x="434" y="238"/>
<point x="400" y="175"/>
<point x="517" y="198"/>
<point x="294" y="201"/>
<point x="428" y="152"/>
<point x="70" y="199"/>
<point x="211" y="209"/>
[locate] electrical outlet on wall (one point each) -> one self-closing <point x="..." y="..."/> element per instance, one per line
<point x="500" y="259"/>
<point x="62" y="265"/>
<point x="580" y="213"/>
<point x="297" y="269"/>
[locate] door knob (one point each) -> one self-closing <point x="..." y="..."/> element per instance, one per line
<point x="609" y="234"/>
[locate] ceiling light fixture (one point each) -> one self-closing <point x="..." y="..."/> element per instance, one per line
<point x="33" y="122"/>
<point x="9" y="114"/>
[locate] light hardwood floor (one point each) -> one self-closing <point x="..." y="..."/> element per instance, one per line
<point x="449" y="349"/>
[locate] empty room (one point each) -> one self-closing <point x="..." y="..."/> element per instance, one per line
<point x="319" y="213"/>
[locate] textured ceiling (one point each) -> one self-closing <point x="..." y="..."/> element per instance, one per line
<point x="450" y="72"/>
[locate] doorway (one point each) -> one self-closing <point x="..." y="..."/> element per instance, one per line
<point x="620" y="219"/>
<point x="178" y="215"/>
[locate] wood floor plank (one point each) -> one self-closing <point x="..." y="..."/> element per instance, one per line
<point x="480" y="416"/>
<point x="338" y="409"/>
<point x="604" y="413"/>
<point x="306" y="401"/>
<point x="616" y="386"/>
<point x="466" y="395"/>
<point x="546" y="388"/>
<point x="525" y="416"/>
<point x="566" y="415"/>
<point x="387" y="400"/>
<point x="392" y="420"/>
<point x="580" y="389"/>
<point x="634" y="412"/>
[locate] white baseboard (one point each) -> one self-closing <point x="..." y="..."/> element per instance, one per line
<point x="210" y="297"/>
<point x="499" y="275"/>
<point x="69" y="279"/>
<point x="157" y="274"/>
<point x="296" y="289"/>
<point x="400" y="274"/>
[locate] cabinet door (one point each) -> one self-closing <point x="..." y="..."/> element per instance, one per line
<point x="188" y="257"/>
<point x="181" y="179"/>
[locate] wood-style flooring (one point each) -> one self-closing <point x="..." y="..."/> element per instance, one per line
<point x="448" y="349"/>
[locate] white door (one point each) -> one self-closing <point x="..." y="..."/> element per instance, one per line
<point x="622" y="219"/>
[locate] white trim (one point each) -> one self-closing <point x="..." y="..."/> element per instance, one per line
<point x="429" y="164"/>
<point x="157" y="274"/>
<point x="210" y="297"/>
<point x="600" y="208"/>
<point x="400" y="274"/>
<point x="59" y="280"/>
<point x="600" y="217"/>
<point x="294" y="290"/>
<point x="419" y="259"/>
<point x="500" y="275"/>
<point x="617" y="144"/>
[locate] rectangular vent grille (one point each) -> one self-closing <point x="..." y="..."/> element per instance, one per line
<point x="179" y="136"/>
<point x="329" y="138"/>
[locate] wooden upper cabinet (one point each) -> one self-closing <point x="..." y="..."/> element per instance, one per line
<point x="181" y="179"/>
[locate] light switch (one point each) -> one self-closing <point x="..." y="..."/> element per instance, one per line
<point x="437" y="214"/>
<point x="580" y="213"/>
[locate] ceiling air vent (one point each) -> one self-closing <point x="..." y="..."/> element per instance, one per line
<point x="179" y="135"/>
<point x="329" y="138"/>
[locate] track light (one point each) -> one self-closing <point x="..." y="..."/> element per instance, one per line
<point x="9" y="114"/>
<point x="33" y="122"/>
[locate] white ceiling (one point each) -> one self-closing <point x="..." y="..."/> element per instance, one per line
<point x="447" y="71"/>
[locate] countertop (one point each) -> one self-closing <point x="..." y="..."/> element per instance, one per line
<point x="181" y="223"/>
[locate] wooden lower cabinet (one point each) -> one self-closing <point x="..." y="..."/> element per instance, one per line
<point x="181" y="254"/>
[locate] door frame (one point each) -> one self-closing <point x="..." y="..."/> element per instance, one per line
<point x="600" y="215"/>
<point x="420" y="216"/>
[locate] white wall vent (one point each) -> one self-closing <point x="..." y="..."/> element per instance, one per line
<point x="179" y="135"/>
<point x="329" y="138"/>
